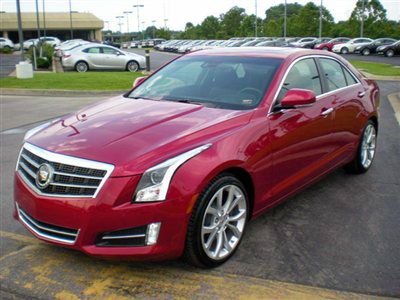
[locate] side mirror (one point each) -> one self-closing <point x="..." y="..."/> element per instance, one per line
<point x="138" y="81"/>
<point x="298" y="97"/>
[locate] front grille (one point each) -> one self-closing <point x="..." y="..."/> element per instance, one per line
<point x="48" y="231"/>
<point x="72" y="177"/>
<point x="125" y="237"/>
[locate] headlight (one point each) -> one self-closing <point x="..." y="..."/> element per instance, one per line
<point x="154" y="184"/>
<point x="35" y="130"/>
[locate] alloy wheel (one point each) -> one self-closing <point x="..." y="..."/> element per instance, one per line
<point x="132" y="66"/>
<point x="223" y="222"/>
<point x="390" y="53"/>
<point x="366" y="52"/>
<point x="345" y="50"/>
<point x="368" y="146"/>
<point x="81" y="67"/>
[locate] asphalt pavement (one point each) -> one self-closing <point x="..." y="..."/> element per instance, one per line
<point x="342" y="233"/>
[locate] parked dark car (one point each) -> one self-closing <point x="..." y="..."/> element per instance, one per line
<point x="389" y="50"/>
<point x="371" y="48"/>
<point x="311" y="44"/>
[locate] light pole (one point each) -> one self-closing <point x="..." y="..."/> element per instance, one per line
<point x="70" y="20"/>
<point x="44" y="19"/>
<point x="165" y="23"/>
<point x="154" y="28"/>
<point x="362" y="19"/>
<point x="255" y="4"/>
<point x="127" y="20"/>
<point x="119" y="23"/>
<point x="108" y="25"/>
<point x="37" y="19"/>
<point x="284" y="20"/>
<point x="20" y="33"/>
<point x="320" y="20"/>
<point x="144" y="29"/>
<point x="138" y="6"/>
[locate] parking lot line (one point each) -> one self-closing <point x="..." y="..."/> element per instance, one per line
<point x="52" y="272"/>
<point x="394" y="100"/>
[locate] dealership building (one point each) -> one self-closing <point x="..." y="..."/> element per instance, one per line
<point x="84" y="25"/>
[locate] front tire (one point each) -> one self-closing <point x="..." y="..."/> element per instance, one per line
<point x="81" y="67"/>
<point x="217" y="223"/>
<point x="389" y="53"/>
<point x="366" y="150"/>
<point x="366" y="52"/>
<point x="325" y="49"/>
<point x="132" y="66"/>
<point x="345" y="50"/>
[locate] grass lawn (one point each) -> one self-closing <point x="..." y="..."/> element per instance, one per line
<point x="74" y="81"/>
<point x="376" y="68"/>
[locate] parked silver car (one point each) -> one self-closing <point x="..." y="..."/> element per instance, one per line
<point x="100" y="57"/>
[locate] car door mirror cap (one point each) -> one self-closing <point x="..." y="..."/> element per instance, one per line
<point x="138" y="81"/>
<point x="298" y="98"/>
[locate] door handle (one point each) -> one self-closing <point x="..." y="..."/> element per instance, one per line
<point x="326" y="112"/>
<point x="361" y="94"/>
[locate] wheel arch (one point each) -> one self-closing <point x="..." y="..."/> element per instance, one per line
<point x="132" y="60"/>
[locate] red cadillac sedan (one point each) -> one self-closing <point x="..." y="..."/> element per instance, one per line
<point x="329" y="45"/>
<point x="178" y="165"/>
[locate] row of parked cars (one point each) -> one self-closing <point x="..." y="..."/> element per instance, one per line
<point x="364" y="46"/>
<point x="141" y="43"/>
<point x="6" y="43"/>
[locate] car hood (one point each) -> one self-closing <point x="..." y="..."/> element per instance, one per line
<point x="134" y="134"/>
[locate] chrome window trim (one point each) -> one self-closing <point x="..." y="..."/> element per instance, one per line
<point x="319" y="96"/>
<point x="68" y="160"/>
<point x="23" y="217"/>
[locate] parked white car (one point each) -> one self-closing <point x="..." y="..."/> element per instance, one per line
<point x="300" y="42"/>
<point x="53" y="41"/>
<point x="6" y="44"/>
<point x="101" y="57"/>
<point x="351" y="45"/>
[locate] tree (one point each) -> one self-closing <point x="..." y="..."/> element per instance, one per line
<point x="209" y="28"/>
<point x="163" y="34"/>
<point x="231" y="21"/>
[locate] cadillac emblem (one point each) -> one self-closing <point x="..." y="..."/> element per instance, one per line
<point x="44" y="176"/>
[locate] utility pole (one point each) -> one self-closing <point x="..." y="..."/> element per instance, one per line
<point x="154" y="28"/>
<point x="70" y="20"/>
<point x="44" y="19"/>
<point x="127" y="20"/>
<point x="138" y="19"/>
<point x="284" y="20"/>
<point x="165" y="23"/>
<point x="37" y="19"/>
<point x="362" y="19"/>
<point x="144" y="29"/>
<point x="320" y="20"/>
<point x="255" y="26"/>
<point x="119" y="23"/>
<point x="20" y="33"/>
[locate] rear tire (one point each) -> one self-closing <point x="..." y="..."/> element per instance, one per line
<point x="365" y="152"/>
<point x="81" y="67"/>
<point x="216" y="227"/>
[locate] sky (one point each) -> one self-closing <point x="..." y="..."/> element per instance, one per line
<point x="178" y="12"/>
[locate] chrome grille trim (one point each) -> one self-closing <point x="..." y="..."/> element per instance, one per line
<point x="26" y="168"/>
<point x="46" y="231"/>
<point x="116" y="237"/>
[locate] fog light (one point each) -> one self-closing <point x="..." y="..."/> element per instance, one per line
<point x="152" y="233"/>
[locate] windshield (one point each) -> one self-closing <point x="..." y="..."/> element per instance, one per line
<point x="229" y="82"/>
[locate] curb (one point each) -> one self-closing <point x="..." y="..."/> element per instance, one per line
<point x="394" y="100"/>
<point x="58" y="93"/>
<point x="377" y="77"/>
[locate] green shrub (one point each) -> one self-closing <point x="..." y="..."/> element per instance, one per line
<point x="42" y="63"/>
<point x="45" y="59"/>
<point x="6" y="50"/>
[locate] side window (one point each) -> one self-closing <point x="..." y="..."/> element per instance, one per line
<point x="109" y="51"/>
<point x="303" y="75"/>
<point x="349" y="77"/>
<point x="333" y="74"/>
<point x="94" y="50"/>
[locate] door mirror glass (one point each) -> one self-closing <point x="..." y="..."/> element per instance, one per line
<point x="139" y="80"/>
<point x="298" y="97"/>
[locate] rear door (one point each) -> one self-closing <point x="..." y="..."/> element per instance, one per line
<point x="300" y="137"/>
<point x="94" y="57"/>
<point x="346" y="92"/>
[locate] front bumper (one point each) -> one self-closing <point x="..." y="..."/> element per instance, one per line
<point x="110" y="211"/>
